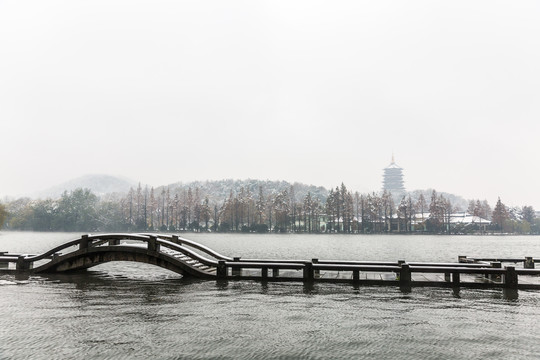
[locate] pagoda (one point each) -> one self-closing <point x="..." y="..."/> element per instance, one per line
<point x="393" y="179"/>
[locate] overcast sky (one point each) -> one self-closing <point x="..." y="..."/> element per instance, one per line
<point x="320" y="92"/>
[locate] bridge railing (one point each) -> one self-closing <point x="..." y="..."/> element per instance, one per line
<point x="195" y="245"/>
<point x="186" y="251"/>
<point x="26" y="262"/>
<point x="528" y="261"/>
<point x="506" y="277"/>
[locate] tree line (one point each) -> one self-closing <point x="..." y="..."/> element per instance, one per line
<point x="265" y="210"/>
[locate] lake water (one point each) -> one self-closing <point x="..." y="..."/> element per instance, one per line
<point x="137" y="311"/>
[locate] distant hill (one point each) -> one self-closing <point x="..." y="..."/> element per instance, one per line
<point x="98" y="184"/>
<point x="216" y="190"/>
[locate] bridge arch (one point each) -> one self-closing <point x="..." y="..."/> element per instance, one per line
<point x="101" y="255"/>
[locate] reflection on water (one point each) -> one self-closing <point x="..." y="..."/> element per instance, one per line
<point x="132" y="314"/>
<point x="130" y="310"/>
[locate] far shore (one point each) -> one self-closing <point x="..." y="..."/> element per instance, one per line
<point x="183" y="233"/>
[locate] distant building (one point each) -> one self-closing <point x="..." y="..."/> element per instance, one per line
<point x="393" y="179"/>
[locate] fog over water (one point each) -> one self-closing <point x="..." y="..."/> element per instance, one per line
<point x="311" y="91"/>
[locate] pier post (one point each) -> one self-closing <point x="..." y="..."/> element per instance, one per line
<point x="236" y="271"/>
<point x="264" y="273"/>
<point x="511" y="278"/>
<point x="221" y="269"/>
<point x="22" y="264"/>
<point x="528" y="263"/>
<point x="153" y="244"/>
<point x="308" y="271"/>
<point x="176" y="240"/>
<point x="455" y="279"/>
<point x="275" y="272"/>
<point x="316" y="273"/>
<point x="447" y="276"/>
<point x="356" y="275"/>
<point x="84" y="242"/>
<point x="405" y="277"/>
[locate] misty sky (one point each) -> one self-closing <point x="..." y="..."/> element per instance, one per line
<point x="320" y="92"/>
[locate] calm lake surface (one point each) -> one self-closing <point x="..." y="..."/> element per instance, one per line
<point x="137" y="311"/>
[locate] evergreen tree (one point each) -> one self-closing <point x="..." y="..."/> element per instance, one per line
<point x="500" y="214"/>
<point x="437" y="212"/>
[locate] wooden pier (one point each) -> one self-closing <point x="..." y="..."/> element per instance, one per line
<point x="190" y="258"/>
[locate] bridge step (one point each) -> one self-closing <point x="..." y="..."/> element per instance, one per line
<point x="192" y="262"/>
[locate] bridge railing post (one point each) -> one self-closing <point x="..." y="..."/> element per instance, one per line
<point x="221" y="269"/>
<point x="84" y="242"/>
<point x="356" y="275"/>
<point x="528" y="263"/>
<point x="153" y="244"/>
<point x="176" y="240"/>
<point x="455" y="279"/>
<point x="236" y="271"/>
<point x="308" y="271"/>
<point x="22" y="264"/>
<point x="405" y="276"/>
<point x="510" y="277"/>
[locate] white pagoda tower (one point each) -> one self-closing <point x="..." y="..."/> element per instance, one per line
<point x="393" y="179"/>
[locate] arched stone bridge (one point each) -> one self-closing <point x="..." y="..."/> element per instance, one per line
<point x="167" y="251"/>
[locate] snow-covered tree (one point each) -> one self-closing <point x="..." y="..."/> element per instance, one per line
<point x="500" y="214"/>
